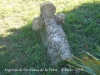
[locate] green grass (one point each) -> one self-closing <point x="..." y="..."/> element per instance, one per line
<point x="20" y="47"/>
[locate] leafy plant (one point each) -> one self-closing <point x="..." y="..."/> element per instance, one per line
<point x="89" y="63"/>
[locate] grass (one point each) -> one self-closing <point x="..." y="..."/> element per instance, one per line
<point x="20" y="47"/>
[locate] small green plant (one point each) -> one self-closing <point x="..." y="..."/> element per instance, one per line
<point x="89" y="63"/>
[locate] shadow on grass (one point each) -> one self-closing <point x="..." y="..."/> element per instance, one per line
<point x="24" y="49"/>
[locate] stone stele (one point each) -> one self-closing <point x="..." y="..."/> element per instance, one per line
<point x="52" y="33"/>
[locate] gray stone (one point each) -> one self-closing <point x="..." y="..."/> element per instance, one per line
<point x="52" y="33"/>
<point x="47" y="10"/>
<point x="60" y="18"/>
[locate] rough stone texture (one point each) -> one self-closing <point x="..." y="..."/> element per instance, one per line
<point x="52" y="33"/>
<point x="47" y="10"/>
<point x="58" y="47"/>
<point x="37" y="23"/>
<point x="60" y="18"/>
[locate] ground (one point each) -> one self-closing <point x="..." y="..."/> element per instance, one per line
<point x="20" y="47"/>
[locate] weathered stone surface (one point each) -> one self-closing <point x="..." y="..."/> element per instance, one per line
<point x="60" y="18"/>
<point x="52" y="33"/>
<point x="47" y="10"/>
<point x="37" y="23"/>
<point x="58" y="47"/>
